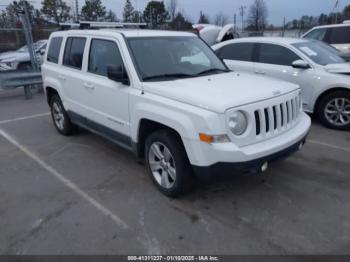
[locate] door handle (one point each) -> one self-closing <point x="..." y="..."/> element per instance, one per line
<point x="89" y="86"/>
<point x="260" y="72"/>
<point x="62" y="77"/>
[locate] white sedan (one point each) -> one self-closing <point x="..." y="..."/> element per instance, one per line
<point x="322" y="74"/>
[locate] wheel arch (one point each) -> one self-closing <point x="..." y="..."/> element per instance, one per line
<point x="325" y="93"/>
<point x="147" y="126"/>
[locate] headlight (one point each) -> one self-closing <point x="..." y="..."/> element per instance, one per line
<point x="238" y="123"/>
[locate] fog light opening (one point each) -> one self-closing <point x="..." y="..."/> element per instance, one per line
<point x="264" y="167"/>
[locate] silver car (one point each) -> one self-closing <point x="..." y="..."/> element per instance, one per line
<point x="322" y="74"/>
<point x="20" y="59"/>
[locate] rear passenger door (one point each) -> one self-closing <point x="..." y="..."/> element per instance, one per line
<point x="238" y="56"/>
<point x="106" y="99"/>
<point x="72" y="76"/>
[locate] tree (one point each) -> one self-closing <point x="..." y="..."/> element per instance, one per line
<point x="257" y="17"/>
<point x="180" y="22"/>
<point x="93" y="10"/>
<point x="220" y="19"/>
<point x="56" y="10"/>
<point x="12" y="12"/>
<point x="111" y="16"/>
<point x="172" y="9"/>
<point x="322" y="20"/>
<point x="346" y="12"/>
<point x="155" y="13"/>
<point x="203" y="18"/>
<point x="128" y="12"/>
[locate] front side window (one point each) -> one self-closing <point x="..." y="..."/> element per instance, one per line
<point x="74" y="51"/>
<point x="317" y="34"/>
<point x="276" y="55"/>
<point x="103" y="53"/>
<point x="165" y="58"/>
<point x="320" y="53"/>
<point x="54" y="49"/>
<point x="339" y="35"/>
<point x="239" y="52"/>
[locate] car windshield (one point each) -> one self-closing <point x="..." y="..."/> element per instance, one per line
<point x="166" y="58"/>
<point x="320" y="53"/>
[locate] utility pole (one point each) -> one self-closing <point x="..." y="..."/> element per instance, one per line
<point x="336" y="11"/>
<point x="242" y="11"/>
<point x="77" y="10"/>
<point x="27" y="28"/>
<point x="284" y="26"/>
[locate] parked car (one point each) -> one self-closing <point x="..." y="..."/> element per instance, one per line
<point x="324" y="77"/>
<point x="20" y="59"/>
<point x="213" y="34"/>
<point x="167" y="97"/>
<point x="335" y="35"/>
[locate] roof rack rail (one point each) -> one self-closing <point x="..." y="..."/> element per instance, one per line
<point x="99" y="25"/>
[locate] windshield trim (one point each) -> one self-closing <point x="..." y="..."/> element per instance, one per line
<point x="136" y="66"/>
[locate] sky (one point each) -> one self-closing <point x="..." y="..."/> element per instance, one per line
<point x="277" y="8"/>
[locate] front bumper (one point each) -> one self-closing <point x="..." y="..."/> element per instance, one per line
<point x="207" y="158"/>
<point x="253" y="166"/>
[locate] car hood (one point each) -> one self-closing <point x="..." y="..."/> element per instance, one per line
<point x="343" y="68"/>
<point x="220" y="92"/>
<point x="14" y="56"/>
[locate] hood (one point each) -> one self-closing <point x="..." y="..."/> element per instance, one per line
<point x="338" y="68"/>
<point x="14" y="56"/>
<point x="220" y="92"/>
<point x="224" y="31"/>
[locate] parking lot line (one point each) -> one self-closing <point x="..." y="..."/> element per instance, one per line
<point x="24" y="118"/>
<point x="328" y="145"/>
<point x="66" y="181"/>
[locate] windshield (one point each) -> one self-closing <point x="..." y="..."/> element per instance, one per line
<point x="320" y="53"/>
<point x="165" y="58"/>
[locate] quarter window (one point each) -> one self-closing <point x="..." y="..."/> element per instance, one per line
<point x="103" y="53"/>
<point x="239" y="51"/>
<point x="276" y="55"/>
<point x="54" y="49"/>
<point x="74" y="51"/>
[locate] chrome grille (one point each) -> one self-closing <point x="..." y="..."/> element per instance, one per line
<point x="273" y="119"/>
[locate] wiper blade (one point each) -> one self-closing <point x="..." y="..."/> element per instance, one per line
<point x="212" y="70"/>
<point x="166" y="76"/>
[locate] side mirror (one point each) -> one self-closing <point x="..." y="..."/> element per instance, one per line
<point x="301" y="64"/>
<point x="118" y="74"/>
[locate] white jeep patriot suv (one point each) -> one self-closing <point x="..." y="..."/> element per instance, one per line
<point x="169" y="98"/>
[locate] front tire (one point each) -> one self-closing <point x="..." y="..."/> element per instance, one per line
<point x="334" y="110"/>
<point x="167" y="163"/>
<point x="60" y="117"/>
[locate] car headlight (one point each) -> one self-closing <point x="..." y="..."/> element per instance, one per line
<point x="238" y="123"/>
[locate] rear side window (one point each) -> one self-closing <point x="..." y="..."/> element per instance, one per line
<point x="74" y="51"/>
<point x="239" y="51"/>
<point x="276" y="55"/>
<point x="317" y="34"/>
<point x="339" y="35"/>
<point x="54" y="50"/>
<point x="103" y="53"/>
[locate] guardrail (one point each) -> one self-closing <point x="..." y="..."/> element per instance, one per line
<point x="14" y="79"/>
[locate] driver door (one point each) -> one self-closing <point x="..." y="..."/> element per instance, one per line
<point x="276" y="61"/>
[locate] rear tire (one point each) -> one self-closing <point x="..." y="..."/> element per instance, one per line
<point x="334" y="110"/>
<point x="167" y="163"/>
<point x="60" y="117"/>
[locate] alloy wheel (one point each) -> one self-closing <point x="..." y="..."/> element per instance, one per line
<point x="337" y="111"/>
<point x="162" y="165"/>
